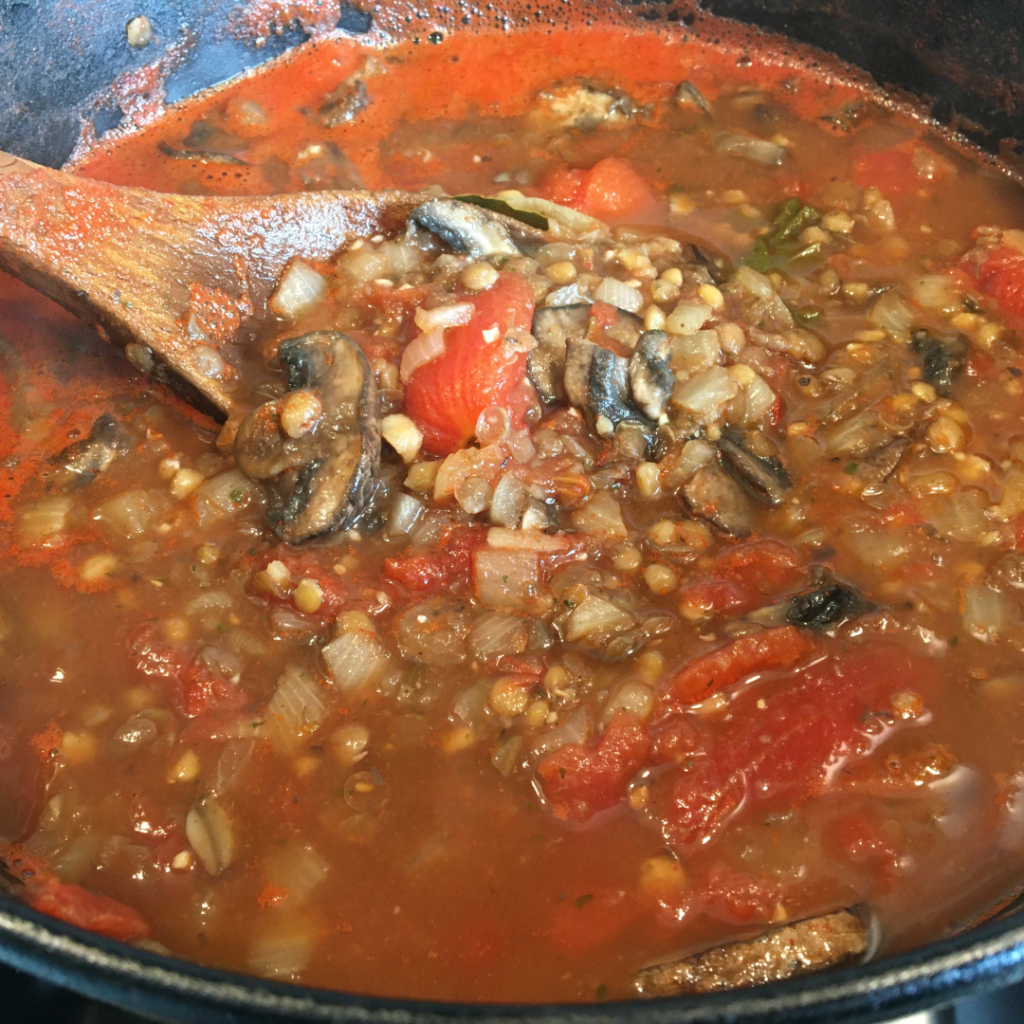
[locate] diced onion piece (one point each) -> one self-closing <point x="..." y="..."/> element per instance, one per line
<point x="688" y="317"/>
<point x="619" y="294"/>
<point x="484" y="463"/>
<point x="892" y="314"/>
<point x="495" y="634"/>
<point x="440" y="317"/>
<point x="295" y="868"/>
<point x="988" y="613"/>
<point x="760" y="287"/>
<point x="760" y="399"/>
<point x="44" y="521"/>
<point x="284" y="948"/>
<point x="508" y="503"/>
<point x="233" y="758"/>
<point x="694" y="455"/>
<point x="574" y="730"/>
<point x="601" y="516"/>
<point x="471" y="703"/>
<point x="760" y="151"/>
<point x="936" y="292"/>
<point x="706" y="393"/>
<point x="505" y="579"/>
<point x="633" y="696"/>
<point x="502" y="539"/>
<point x="579" y="223"/>
<point x="356" y="659"/>
<point x="130" y="513"/>
<point x="697" y="352"/>
<point x="301" y="289"/>
<point x="401" y="259"/>
<point x="226" y="494"/>
<point x="210" y="833"/>
<point x="209" y="601"/>
<point x="423" y="349"/>
<point x="506" y="754"/>
<point x="571" y="295"/>
<point x="596" y="616"/>
<point x="404" y="512"/>
<point x="296" y="708"/>
<point x="403" y="435"/>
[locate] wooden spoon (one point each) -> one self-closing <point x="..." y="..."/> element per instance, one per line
<point x="128" y="260"/>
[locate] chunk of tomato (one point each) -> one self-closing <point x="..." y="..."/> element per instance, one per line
<point x="89" y="910"/>
<point x="779" y="746"/>
<point x="611" y="190"/>
<point x="1002" y="276"/>
<point x="784" y="647"/>
<point x="447" y="567"/>
<point x="579" y="781"/>
<point x="891" y="171"/>
<point x="478" y="368"/>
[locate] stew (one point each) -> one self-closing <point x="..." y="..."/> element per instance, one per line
<point x="621" y="568"/>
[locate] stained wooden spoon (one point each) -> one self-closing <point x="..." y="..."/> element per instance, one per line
<point x="129" y="260"/>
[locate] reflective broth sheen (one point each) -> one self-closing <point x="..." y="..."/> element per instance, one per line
<point x="723" y="632"/>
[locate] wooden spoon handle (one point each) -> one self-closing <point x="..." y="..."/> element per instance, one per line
<point x="136" y="263"/>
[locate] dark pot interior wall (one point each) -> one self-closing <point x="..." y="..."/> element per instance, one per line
<point x="966" y="56"/>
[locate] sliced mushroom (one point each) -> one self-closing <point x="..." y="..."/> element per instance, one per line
<point x="346" y="102"/>
<point x="466" y="228"/>
<point x="650" y="373"/>
<point x="689" y="97"/>
<point x="718" y="267"/>
<point x="321" y="480"/>
<point x="784" y="952"/>
<point x="941" y="359"/>
<point x="586" y="106"/>
<point x="200" y="155"/>
<point x="553" y="326"/>
<point x="765" y="476"/>
<point x="597" y="382"/>
<point x="712" y="494"/>
<point x="825" y="606"/>
<point x="879" y="465"/>
<point x="82" y="461"/>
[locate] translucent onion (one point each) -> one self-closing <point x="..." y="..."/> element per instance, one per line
<point x="296" y="868"/>
<point x="937" y="292"/>
<point x="688" y="317"/>
<point x="233" y="759"/>
<point x="423" y="349"/>
<point x="301" y="289"/>
<point x="571" y="295"/>
<point x="506" y="753"/>
<point x="508" y="503"/>
<point x="619" y="294"/>
<point x="506" y="579"/>
<point x="225" y="495"/>
<point x="471" y="704"/>
<point x="575" y="729"/>
<point x="405" y="511"/>
<point x="694" y="455"/>
<point x="297" y="706"/>
<point x="595" y="616"/>
<point x="130" y="513"/>
<point x="356" y="659"/>
<point x="760" y="151"/>
<point x="577" y="222"/>
<point x="284" y="949"/>
<point x="988" y="613"/>
<point x="696" y="352"/>
<point x="633" y="696"/>
<point x="440" y="317"/>
<point x="760" y="287"/>
<point x="760" y="399"/>
<point x="495" y="634"/>
<point x="892" y="314"/>
<point x="704" y="394"/>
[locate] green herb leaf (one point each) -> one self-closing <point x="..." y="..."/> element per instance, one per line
<point x="534" y="220"/>
<point x="582" y="901"/>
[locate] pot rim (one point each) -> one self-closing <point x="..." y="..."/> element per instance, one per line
<point x="987" y="957"/>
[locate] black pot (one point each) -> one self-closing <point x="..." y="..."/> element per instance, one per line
<point x="56" y="58"/>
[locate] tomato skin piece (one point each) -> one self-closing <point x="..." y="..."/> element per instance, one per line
<point x="446" y="396"/>
<point x="579" y="781"/>
<point x="859" y="842"/>
<point x="891" y="171"/>
<point x="741" y="578"/>
<point x="780" y="753"/>
<point x="449" y="566"/>
<point x="1002" y="277"/>
<point x="783" y="647"/>
<point x="611" y="190"/>
<point x="89" y="910"/>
